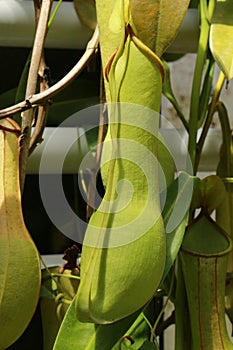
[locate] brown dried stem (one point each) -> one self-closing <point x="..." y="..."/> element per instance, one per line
<point x="44" y="76"/>
<point x="27" y="115"/>
<point x="42" y="113"/>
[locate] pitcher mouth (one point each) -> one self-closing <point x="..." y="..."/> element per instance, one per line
<point x="219" y="230"/>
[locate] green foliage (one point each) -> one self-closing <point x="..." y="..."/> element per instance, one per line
<point x="152" y="27"/>
<point x="176" y="214"/>
<point x="147" y="346"/>
<point x="168" y="93"/>
<point x="135" y="336"/>
<point x="76" y="335"/>
<point x="221" y="34"/>
<point x="209" y="194"/>
<point x="106" y="247"/>
<point x="21" y="88"/>
<point x="20" y="266"/>
<point x="204" y="256"/>
<point x="86" y="12"/>
<point x="120" y="275"/>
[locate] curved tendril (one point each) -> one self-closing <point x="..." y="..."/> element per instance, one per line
<point x="146" y="50"/>
<point x="142" y="47"/>
<point x="109" y="64"/>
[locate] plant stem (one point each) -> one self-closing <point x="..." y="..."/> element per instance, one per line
<point x="43" y="109"/>
<point x="44" y="84"/>
<point x="197" y="81"/>
<point x="209" y="117"/>
<point x="54" y="274"/>
<point x="168" y="93"/>
<point x="38" y="99"/>
<point x="54" y="13"/>
<point x="27" y="116"/>
<point x="153" y="331"/>
<point x="206" y="89"/>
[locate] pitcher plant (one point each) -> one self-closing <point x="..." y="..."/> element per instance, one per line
<point x="158" y="234"/>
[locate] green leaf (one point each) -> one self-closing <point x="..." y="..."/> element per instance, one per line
<point x="21" y="88"/>
<point x="175" y="214"/>
<point x="78" y="89"/>
<point x="7" y="98"/>
<point x="86" y="12"/>
<point x="204" y="236"/>
<point x="76" y="335"/>
<point x="147" y="345"/>
<point x="137" y="333"/>
<point x="157" y="21"/>
<point x="221" y="34"/>
<point x="229" y="300"/>
<point x="80" y="94"/>
<point x="209" y="193"/>
<point x="59" y="111"/>
<point x="166" y="161"/>
<point x="50" y="322"/>
<point x="48" y="285"/>
<point x="52" y="307"/>
<point x="168" y="93"/>
<point x="46" y="293"/>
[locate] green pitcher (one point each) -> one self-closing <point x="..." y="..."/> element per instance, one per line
<point x="204" y="257"/>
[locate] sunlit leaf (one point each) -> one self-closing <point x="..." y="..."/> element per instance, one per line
<point x="76" y="335"/>
<point x="121" y="231"/>
<point x="221" y="34"/>
<point x="160" y="22"/>
<point x="166" y="161"/>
